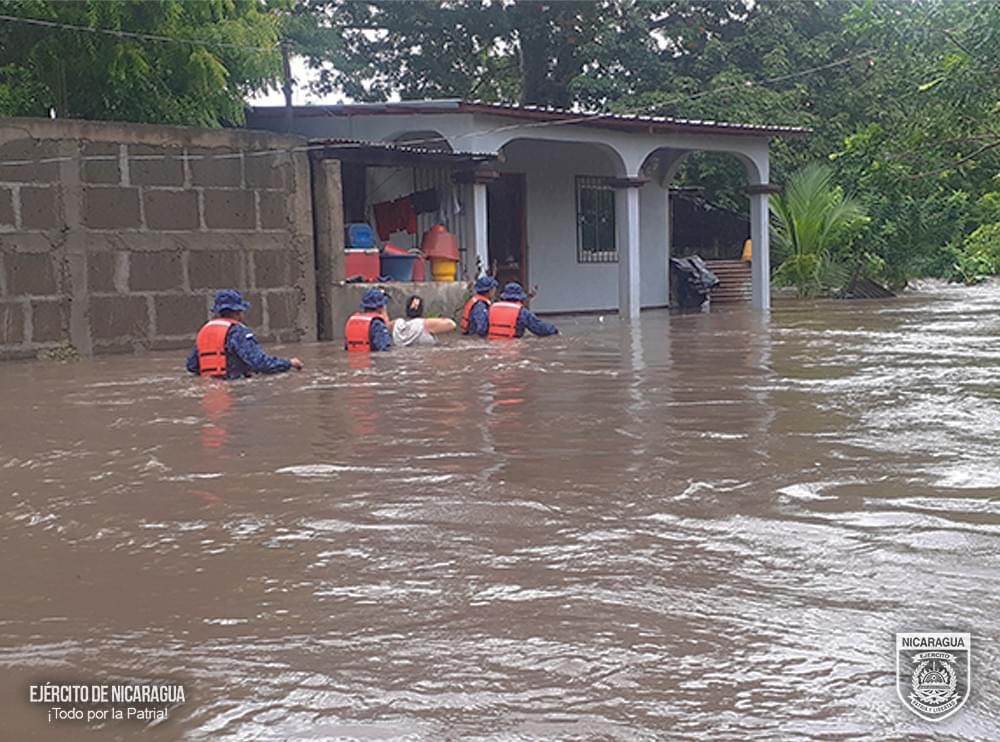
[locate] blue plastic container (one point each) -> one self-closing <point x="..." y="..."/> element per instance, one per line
<point x="359" y="236"/>
<point x="397" y="267"/>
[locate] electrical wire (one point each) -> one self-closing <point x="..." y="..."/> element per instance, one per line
<point x="135" y="34"/>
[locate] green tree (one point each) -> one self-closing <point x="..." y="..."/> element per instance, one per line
<point x="905" y="155"/>
<point x="811" y="219"/>
<point x="527" y="52"/>
<point x="213" y="54"/>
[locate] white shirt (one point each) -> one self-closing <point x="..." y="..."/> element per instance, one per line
<point x="410" y="332"/>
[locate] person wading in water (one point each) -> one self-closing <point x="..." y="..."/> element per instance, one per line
<point x="414" y="329"/>
<point x="509" y="318"/>
<point x="227" y="349"/>
<point x="368" y="329"/>
<point x="476" y="313"/>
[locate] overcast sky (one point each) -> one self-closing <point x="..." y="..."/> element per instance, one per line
<point x="301" y="94"/>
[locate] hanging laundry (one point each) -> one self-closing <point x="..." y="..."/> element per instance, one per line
<point x="407" y="215"/>
<point x="395" y="216"/>
<point x="385" y="219"/>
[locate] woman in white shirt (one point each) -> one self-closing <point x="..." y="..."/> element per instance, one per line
<point x="414" y="329"/>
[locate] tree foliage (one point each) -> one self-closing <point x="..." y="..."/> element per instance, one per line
<point x="528" y="52"/>
<point x="81" y="74"/>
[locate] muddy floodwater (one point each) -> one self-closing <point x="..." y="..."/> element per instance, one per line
<point x="694" y="527"/>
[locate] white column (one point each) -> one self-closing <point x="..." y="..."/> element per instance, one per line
<point x="668" y="225"/>
<point x="627" y="217"/>
<point x="480" y="232"/>
<point x="475" y="235"/>
<point x="759" y="235"/>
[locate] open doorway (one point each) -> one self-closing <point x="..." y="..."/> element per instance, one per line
<point x="507" y="231"/>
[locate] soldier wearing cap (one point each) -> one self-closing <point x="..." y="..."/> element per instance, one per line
<point x="476" y="314"/>
<point x="509" y="318"/>
<point x="227" y="349"/>
<point x="368" y="330"/>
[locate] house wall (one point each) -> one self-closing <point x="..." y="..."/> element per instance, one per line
<point x="114" y="237"/>
<point x="564" y="283"/>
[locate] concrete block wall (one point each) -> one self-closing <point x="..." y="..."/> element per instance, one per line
<point x="114" y="237"/>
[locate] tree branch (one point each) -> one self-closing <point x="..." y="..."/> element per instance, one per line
<point x="948" y="34"/>
<point x="957" y="163"/>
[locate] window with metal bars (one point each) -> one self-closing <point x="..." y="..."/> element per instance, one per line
<point x="595" y="221"/>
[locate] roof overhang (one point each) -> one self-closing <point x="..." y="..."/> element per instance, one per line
<point x="392" y="154"/>
<point x="537" y="114"/>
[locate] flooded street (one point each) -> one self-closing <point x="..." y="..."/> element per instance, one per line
<point x="698" y="527"/>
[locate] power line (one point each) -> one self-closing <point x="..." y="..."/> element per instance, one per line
<point x="870" y="53"/>
<point x="135" y="34"/>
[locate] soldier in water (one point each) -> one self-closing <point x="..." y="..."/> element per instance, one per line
<point x="227" y="349"/>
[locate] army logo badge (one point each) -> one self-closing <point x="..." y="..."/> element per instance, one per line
<point x="932" y="673"/>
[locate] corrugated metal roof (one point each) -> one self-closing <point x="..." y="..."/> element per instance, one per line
<point x="360" y="145"/>
<point x="629" y="121"/>
<point x="626" y="122"/>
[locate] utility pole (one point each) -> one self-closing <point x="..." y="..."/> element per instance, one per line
<point x="286" y="85"/>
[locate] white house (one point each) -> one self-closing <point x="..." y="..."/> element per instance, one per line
<point x="575" y="205"/>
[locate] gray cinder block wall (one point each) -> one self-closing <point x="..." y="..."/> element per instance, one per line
<point x="113" y="237"/>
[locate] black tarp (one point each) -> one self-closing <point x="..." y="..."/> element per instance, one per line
<point x="691" y="282"/>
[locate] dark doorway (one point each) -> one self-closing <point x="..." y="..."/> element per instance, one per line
<point x="505" y="204"/>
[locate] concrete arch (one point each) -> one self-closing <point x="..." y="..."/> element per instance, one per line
<point x="517" y="148"/>
<point x="668" y="162"/>
<point x="754" y="157"/>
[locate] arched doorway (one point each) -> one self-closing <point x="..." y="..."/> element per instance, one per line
<point x="717" y="208"/>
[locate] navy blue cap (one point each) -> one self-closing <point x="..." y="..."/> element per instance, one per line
<point x="229" y="300"/>
<point x="484" y="284"/>
<point x="374" y="299"/>
<point x="513" y="292"/>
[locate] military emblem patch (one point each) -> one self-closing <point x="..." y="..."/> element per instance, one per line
<point x="933" y="673"/>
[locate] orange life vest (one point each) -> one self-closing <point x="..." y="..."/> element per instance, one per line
<point x="503" y="320"/>
<point x="211" y="345"/>
<point x="357" y="333"/>
<point x="468" y="309"/>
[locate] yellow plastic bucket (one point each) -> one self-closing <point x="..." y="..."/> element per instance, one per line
<point x="443" y="270"/>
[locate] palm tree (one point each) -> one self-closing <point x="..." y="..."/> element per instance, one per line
<point x="810" y="218"/>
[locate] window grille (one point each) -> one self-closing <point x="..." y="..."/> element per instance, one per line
<point x="595" y="221"/>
